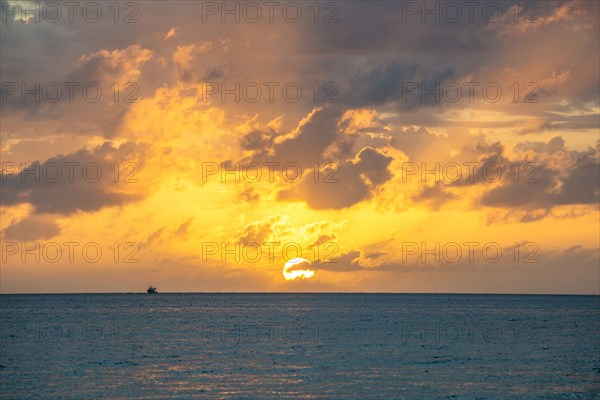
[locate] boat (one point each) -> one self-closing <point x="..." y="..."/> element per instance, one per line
<point x="151" y="290"/>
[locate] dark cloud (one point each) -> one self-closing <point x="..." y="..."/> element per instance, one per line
<point x="575" y="183"/>
<point x="352" y="182"/>
<point x="393" y="82"/>
<point x="531" y="180"/>
<point x="58" y="97"/>
<point x="490" y="160"/>
<point x="302" y="265"/>
<point x="82" y="181"/>
<point x="334" y="176"/>
<point x="258" y="140"/>
<point x="434" y="196"/>
<point x="308" y="146"/>
<point x="345" y="262"/>
<point x="376" y="254"/>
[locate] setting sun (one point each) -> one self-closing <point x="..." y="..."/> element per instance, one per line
<point x="297" y="268"/>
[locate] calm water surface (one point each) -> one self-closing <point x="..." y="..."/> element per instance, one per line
<point x="121" y="346"/>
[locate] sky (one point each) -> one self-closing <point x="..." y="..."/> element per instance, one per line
<point x="344" y="146"/>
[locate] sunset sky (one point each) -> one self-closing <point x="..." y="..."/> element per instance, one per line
<point x="370" y="101"/>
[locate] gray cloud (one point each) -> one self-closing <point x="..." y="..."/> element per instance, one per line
<point x="434" y="196"/>
<point x="307" y="147"/>
<point x="83" y="181"/>
<point x="353" y="182"/>
<point x="345" y="262"/>
<point x="393" y="82"/>
<point x="577" y="182"/>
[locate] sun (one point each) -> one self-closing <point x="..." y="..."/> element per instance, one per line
<point x="297" y="268"/>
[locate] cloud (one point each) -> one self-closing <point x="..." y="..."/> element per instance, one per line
<point x="571" y="270"/>
<point x="352" y="260"/>
<point x="366" y="136"/>
<point x="321" y="148"/>
<point x="85" y="98"/>
<point x="119" y="65"/>
<point x="350" y="183"/>
<point x="32" y="227"/>
<point x="153" y="239"/>
<point x="362" y="120"/>
<point x="434" y="196"/>
<point x="563" y="177"/>
<point x="171" y="33"/>
<point x="164" y="234"/>
<point x="258" y="139"/>
<point x="82" y="181"/>
<point x="185" y="54"/>
<point x="325" y="238"/>
<point x="533" y="21"/>
<point x="192" y="67"/>
<point x="530" y="179"/>
<point x="307" y="143"/>
<point x="261" y="231"/>
<point x="394" y="82"/>
<point x="345" y="262"/>
<point x="183" y="230"/>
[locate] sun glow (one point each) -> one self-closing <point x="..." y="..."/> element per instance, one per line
<point x="297" y="268"/>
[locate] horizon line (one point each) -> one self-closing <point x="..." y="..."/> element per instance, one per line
<point x="273" y="292"/>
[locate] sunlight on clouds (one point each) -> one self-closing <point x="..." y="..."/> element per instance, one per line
<point x="369" y="143"/>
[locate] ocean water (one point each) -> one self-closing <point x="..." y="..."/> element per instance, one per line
<point x="350" y="346"/>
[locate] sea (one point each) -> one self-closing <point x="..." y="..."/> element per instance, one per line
<point x="299" y="346"/>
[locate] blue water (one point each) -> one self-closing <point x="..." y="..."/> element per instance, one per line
<point x="121" y="346"/>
